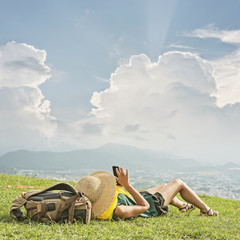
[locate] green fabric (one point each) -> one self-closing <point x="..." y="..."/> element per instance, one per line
<point x="125" y="200"/>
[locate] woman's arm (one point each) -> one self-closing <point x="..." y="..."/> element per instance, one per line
<point x="123" y="211"/>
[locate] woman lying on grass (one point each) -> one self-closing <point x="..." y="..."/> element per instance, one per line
<point x="111" y="201"/>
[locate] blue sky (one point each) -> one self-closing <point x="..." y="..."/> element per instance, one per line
<point x="85" y="44"/>
<point x="83" y="38"/>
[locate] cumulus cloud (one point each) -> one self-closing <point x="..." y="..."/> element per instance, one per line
<point x="227" y="68"/>
<point x="169" y="105"/>
<point x="227" y="76"/>
<point x="25" y="113"/>
<point x="22" y="65"/>
<point x="181" y="104"/>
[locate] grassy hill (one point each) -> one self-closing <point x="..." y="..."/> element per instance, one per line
<point x="172" y="226"/>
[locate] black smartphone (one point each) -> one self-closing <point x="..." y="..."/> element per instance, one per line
<point x="115" y="173"/>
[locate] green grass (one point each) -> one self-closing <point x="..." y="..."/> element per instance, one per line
<point x="174" y="225"/>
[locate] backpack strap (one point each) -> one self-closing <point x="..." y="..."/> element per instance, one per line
<point x="15" y="211"/>
<point x="58" y="186"/>
<point x="70" y="205"/>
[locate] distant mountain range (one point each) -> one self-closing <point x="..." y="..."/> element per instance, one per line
<point x="101" y="158"/>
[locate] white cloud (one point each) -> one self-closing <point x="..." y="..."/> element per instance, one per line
<point x="227" y="76"/>
<point x="168" y="105"/>
<point x="100" y="78"/>
<point x="180" y="46"/>
<point x="210" y="31"/>
<point x="25" y="113"/>
<point x="226" y="69"/>
<point x="181" y="104"/>
<point x="22" y="65"/>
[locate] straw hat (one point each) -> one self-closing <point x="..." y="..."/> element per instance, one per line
<point x="100" y="188"/>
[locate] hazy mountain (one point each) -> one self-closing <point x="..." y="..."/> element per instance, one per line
<point x="6" y="149"/>
<point x="99" y="158"/>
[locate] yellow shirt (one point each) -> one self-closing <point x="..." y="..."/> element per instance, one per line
<point x="109" y="212"/>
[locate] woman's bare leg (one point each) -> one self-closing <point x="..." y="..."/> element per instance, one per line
<point x="175" y="201"/>
<point x="170" y="190"/>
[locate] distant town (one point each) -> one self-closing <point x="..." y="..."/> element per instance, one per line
<point x="213" y="183"/>
<point x="146" y="168"/>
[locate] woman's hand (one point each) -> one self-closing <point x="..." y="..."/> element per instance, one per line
<point x="141" y="206"/>
<point x="122" y="177"/>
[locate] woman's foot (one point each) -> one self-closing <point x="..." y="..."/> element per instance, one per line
<point x="209" y="213"/>
<point x="186" y="208"/>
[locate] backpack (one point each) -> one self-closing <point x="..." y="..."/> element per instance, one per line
<point x="46" y="205"/>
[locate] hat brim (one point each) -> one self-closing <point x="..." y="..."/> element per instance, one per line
<point x="108" y="191"/>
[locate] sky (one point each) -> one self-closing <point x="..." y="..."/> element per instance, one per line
<point x="159" y="75"/>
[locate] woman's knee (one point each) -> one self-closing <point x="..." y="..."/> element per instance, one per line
<point x="178" y="182"/>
